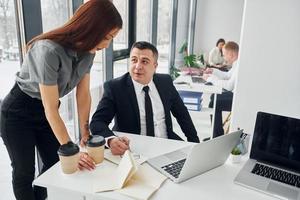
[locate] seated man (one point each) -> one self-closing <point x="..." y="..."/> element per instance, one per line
<point x="141" y="102"/>
<point x="227" y="81"/>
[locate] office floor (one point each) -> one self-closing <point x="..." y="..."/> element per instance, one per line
<point x="201" y="122"/>
<point x="5" y="174"/>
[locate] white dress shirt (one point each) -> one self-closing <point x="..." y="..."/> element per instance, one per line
<point x="226" y="80"/>
<point x="160" y="129"/>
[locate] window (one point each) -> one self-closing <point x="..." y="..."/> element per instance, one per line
<point x="96" y="80"/>
<point x="143" y="20"/>
<point x="163" y="35"/>
<point x="9" y="65"/>
<point x="121" y="40"/>
<point x="54" y="13"/>
<point x="9" y="50"/>
<point x="120" y="67"/>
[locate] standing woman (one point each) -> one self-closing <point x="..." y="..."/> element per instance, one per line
<point x="56" y="62"/>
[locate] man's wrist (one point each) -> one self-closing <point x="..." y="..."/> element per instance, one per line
<point x="108" y="140"/>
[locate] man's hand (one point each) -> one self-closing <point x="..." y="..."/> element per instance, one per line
<point x="118" y="145"/>
<point x="86" y="162"/>
<point x="205" y="76"/>
<point x="208" y="71"/>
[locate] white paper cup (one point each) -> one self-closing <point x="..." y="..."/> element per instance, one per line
<point x="69" y="157"/>
<point x="95" y="148"/>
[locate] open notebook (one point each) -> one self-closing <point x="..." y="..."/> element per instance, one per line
<point x="131" y="179"/>
<point x="116" y="159"/>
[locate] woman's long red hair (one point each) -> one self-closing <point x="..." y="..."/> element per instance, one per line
<point x="87" y="28"/>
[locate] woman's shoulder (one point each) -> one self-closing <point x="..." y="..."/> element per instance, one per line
<point x="47" y="45"/>
<point x="215" y="49"/>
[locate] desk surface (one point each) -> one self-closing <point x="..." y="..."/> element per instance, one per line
<point x="195" y="87"/>
<point x="214" y="184"/>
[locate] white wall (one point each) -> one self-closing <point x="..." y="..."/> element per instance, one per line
<point x="269" y="67"/>
<point x="217" y="19"/>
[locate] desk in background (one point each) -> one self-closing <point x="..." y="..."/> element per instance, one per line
<point x="213" y="185"/>
<point x="198" y="88"/>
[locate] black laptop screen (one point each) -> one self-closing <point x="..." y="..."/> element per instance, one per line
<point x="276" y="140"/>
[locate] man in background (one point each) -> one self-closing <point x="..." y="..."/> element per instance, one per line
<point x="227" y="80"/>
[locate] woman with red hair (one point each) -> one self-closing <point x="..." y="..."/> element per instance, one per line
<point x="55" y="63"/>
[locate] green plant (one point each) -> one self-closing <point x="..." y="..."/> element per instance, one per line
<point x="174" y="72"/>
<point x="201" y="59"/>
<point x="183" y="48"/>
<point x="236" y="151"/>
<point x="190" y="60"/>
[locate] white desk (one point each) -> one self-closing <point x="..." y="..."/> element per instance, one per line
<point x="215" y="184"/>
<point x="199" y="87"/>
<point x="195" y="87"/>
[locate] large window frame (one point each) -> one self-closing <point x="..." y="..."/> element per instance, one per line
<point x="110" y="55"/>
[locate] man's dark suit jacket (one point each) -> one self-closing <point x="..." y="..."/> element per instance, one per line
<point x="119" y="101"/>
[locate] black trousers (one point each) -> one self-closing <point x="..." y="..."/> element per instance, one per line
<point x="224" y="103"/>
<point x="25" y="128"/>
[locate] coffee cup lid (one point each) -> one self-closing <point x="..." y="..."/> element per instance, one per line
<point x="68" y="149"/>
<point x="95" y="141"/>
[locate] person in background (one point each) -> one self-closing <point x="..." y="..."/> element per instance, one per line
<point x="215" y="58"/>
<point x="227" y="81"/>
<point x="127" y="99"/>
<point x="54" y="64"/>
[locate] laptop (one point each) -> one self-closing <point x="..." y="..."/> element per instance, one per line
<point x="198" y="79"/>
<point x="188" y="162"/>
<point x="274" y="164"/>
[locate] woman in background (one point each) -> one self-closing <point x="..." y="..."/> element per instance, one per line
<point x="215" y="58"/>
<point x="55" y="63"/>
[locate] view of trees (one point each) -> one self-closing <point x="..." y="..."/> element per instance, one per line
<point x="54" y="13"/>
<point x="8" y="38"/>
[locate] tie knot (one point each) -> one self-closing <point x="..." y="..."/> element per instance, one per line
<point x="146" y="89"/>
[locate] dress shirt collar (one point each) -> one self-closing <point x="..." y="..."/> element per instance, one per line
<point x="139" y="87"/>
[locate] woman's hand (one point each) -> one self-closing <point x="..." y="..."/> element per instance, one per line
<point x="84" y="137"/>
<point x="86" y="162"/>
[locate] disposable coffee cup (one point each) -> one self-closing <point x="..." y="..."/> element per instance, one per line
<point x="69" y="157"/>
<point x="95" y="148"/>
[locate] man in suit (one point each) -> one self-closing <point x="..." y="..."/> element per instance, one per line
<point x="127" y="99"/>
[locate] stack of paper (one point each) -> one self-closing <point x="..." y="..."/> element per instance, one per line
<point x="137" y="181"/>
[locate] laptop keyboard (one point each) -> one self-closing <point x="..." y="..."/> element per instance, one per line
<point x="174" y="168"/>
<point x="276" y="174"/>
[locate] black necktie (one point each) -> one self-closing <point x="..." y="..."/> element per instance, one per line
<point x="149" y="113"/>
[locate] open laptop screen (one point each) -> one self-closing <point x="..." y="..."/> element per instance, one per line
<point x="276" y="141"/>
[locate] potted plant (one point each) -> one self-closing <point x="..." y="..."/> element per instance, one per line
<point x="174" y="72"/>
<point x="236" y="155"/>
<point x="192" y="62"/>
